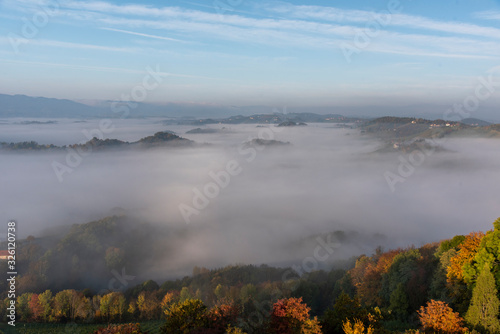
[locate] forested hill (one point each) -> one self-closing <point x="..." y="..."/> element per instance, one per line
<point x="449" y="286"/>
<point x="159" y="139"/>
<point x="407" y="128"/>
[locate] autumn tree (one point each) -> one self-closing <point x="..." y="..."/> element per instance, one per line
<point x="132" y="310"/>
<point x="221" y="316"/>
<point x="437" y="317"/>
<point x="369" y="286"/>
<point x="185" y="317"/>
<point x="488" y="253"/>
<point x="149" y="305"/>
<point x="35" y="308"/>
<point x="170" y="298"/>
<point x="357" y="327"/>
<point x="63" y="305"/>
<point x="113" y="306"/>
<point x="120" y="329"/>
<point x="357" y="274"/>
<point x="452" y="243"/>
<point x="483" y="311"/>
<point x="291" y="316"/>
<point x="234" y="330"/>
<point x="95" y="303"/>
<point x="45" y="301"/>
<point x="465" y="256"/>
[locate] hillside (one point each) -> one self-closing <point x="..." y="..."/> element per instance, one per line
<point x="287" y="119"/>
<point x="435" y="288"/>
<point x="406" y="128"/>
<point x="159" y="139"/>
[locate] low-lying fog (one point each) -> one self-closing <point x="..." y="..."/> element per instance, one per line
<point x="328" y="179"/>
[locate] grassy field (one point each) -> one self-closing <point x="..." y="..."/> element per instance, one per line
<point x="152" y="327"/>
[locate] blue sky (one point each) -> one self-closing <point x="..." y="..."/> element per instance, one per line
<point x="240" y="52"/>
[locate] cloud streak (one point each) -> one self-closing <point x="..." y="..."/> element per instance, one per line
<point x="394" y="19"/>
<point x="302" y="26"/>
<point x="145" y="35"/>
<point x="488" y="15"/>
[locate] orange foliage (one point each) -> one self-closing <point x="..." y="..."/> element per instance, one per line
<point x="169" y="298"/>
<point x="467" y="252"/>
<point x="222" y="316"/>
<point x="438" y="317"/>
<point x="120" y="329"/>
<point x="35" y="307"/>
<point x="290" y="316"/>
<point x="367" y="276"/>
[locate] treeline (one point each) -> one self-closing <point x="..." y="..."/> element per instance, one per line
<point x="158" y="139"/>
<point x="456" y="279"/>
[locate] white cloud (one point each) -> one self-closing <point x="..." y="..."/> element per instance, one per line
<point x="298" y="26"/>
<point x="144" y="35"/>
<point x="61" y="44"/>
<point x="488" y="15"/>
<point x="392" y="19"/>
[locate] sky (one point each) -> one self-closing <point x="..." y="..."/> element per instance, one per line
<point x="242" y="52"/>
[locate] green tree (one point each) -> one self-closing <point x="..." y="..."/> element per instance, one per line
<point x="247" y="292"/>
<point x="220" y="292"/>
<point x="23" y="308"/>
<point x="399" y="301"/>
<point x="400" y="272"/>
<point x="438" y="288"/>
<point x="114" y="258"/>
<point x="185" y="294"/>
<point x="483" y="311"/>
<point x="344" y="309"/>
<point x="487" y="253"/>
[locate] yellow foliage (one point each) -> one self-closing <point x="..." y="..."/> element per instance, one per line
<point x="357" y="328"/>
<point x="467" y="252"/>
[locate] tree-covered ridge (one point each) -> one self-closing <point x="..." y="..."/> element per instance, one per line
<point x="410" y="128"/>
<point x="26" y="146"/>
<point x="158" y="139"/>
<point x="444" y="287"/>
<point x="84" y="256"/>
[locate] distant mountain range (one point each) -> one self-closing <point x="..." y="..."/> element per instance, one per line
<point x="182" y="113"/>
<point x="41" y="107"/>
<point x="26" y="106"/>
